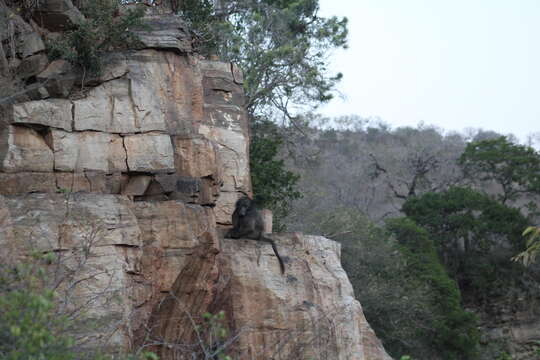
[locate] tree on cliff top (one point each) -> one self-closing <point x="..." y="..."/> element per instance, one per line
<point x="282" y="46"/>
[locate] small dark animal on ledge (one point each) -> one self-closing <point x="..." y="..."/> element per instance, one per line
<point x="248" y="223"/>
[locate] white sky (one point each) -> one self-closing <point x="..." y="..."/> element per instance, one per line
<point x="454" y="64"/>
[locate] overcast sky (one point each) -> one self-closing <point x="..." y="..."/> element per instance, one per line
<point x="454" y="64"/>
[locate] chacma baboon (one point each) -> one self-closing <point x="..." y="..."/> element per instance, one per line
<point x="248" y="223"/>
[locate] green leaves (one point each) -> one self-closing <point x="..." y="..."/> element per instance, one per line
<point x="101" y="31"/>
<point x="282" y="47"/>
<point x="475" y="238"/>
<point x="516" y="168"/>
<point x="29" y="328"/>
<point x="454" y="334"/>
<point x="528" y="256"/>
<point x="274" y="186"/>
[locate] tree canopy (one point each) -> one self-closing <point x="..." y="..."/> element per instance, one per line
<point x="475" y="235"/>
<point x="515" y="167"/>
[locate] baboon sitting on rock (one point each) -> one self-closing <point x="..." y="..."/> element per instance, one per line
<point x="248" y="223"/>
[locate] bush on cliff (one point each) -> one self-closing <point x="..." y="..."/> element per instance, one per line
<point x="103" y="29"/>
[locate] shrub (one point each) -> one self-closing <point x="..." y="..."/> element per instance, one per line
<point x="454" y="331"/>
<point x="103" y="30"/>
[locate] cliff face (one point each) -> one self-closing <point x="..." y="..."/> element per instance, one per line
<point x="130" y="181"/>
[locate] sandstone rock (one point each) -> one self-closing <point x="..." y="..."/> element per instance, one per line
<point x="137" y="185"/>
<point x="304" y="320"/>
<point x="57" y="15"/>
<point x="172" y="85"/>
<point x="91" y="181"/>
<point x="222" y="91"/>
<point x="23" y="149"/>
<point x="149" y="152"/>
<point x="118" y="107"/>
<point x="167" y="31"/>
<point x="52" y="113"/>
<point x="225" y="206"/>
<point x="32" y="65"/>
<point x="58" y="78"/>
<point x="196" y="157"/>
<point x="26" y="182"/>
<point x="177" y="238"/>
<point x="87" y="151"/>
<point x="100" y="243"/>
<point x="275" y="314"/>
<point x="268" y="220"/>
<point x="232" y="149"/>
<point x="71" y="220"/>
<point x="202" y="191"/>
<point x="228" y="117"/>
<point x="237" y="74"/>
<point x="6" y="234"/>
<point x="14" y="31"/>
<point x="31" y="43"/>
<point x="217" y="69"/>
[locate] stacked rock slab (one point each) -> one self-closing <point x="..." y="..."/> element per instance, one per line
<point x="128" y="182"/>
<point x="166" y="127"/>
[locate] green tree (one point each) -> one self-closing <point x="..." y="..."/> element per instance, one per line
<point x="516" y="168"/>
<point x="282" y="47"/>
<point x="475" y="236"/>
<point x="29" y="327"/>
<point x="454" y="332"/>
<point x="274" y="186"/>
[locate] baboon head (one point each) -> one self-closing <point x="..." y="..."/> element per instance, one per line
<point x="242" y="205"/>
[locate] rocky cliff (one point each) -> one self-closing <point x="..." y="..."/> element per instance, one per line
<point x="129" y="181"/>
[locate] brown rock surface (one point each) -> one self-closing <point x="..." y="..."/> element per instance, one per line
<point x="112" y="107"/>
<point x="54" y="113"/>
<point x="310" y="312"/>
<point x="23" y="149"/>
<point x="89" y="150"/>
<point x="150" y="152"/>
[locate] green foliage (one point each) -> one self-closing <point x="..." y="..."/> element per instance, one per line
<point x="516" y="168"/>
<point x="528" y="256"/>
<point x="274" y="186"/>
<point x="455" y="334"/>
<point x="282" y="47"/>
<point x="474" y="235"/>
<point x="102" y="30"/>
<point x="29" y="327"/>
<point x="402" y="307"/>
<point x="201" y="18"/>
<point x="504" y="356"/>
<point x="214" y="333"/>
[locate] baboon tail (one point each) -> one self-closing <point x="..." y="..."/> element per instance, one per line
<point x="281" y="264"/>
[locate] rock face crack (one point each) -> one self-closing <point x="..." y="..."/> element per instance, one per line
<point x="125" y="151"/>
